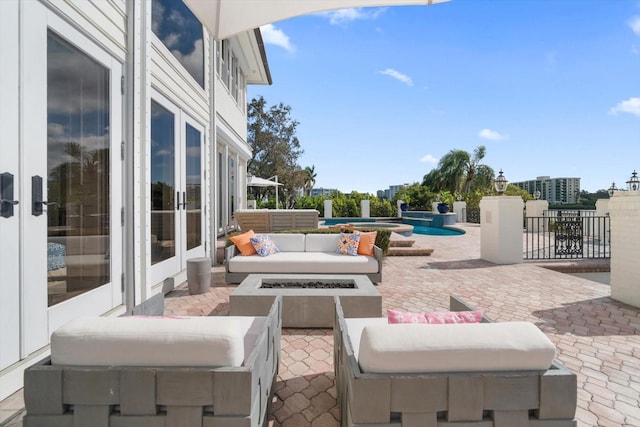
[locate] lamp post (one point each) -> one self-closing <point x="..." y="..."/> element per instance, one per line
<point x="276" y="181"/>
<point x="634" y="182"/>
<point x="612" y="189"/>
<point x="500" y="183"/>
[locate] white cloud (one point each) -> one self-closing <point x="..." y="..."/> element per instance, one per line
<point x="491" y="135"/>
<point x="634" y="24"/>
<point x="429" y="159"/>
<point x="344" y="16"/>
<point x="277" y="37"/>
<point x="398" y="76"/>
<point x="631" y="106"/>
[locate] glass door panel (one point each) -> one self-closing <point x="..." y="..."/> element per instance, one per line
<point x="193" y="196"/>
<point x="78" y="172"/>
<point x="163" y="184"/>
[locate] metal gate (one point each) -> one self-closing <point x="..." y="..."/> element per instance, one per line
<point x="568" y="235"/>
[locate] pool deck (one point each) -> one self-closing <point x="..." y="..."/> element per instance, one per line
<point x="596" y="337"/>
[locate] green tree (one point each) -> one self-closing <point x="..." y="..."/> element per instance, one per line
<point x="417" y="196"/>
<point x="271" y="134"/>
<point x="310" y="179"/>
<point x="459" y="171"/>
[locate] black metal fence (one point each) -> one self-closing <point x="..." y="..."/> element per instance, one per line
<point x="567" y="235"/>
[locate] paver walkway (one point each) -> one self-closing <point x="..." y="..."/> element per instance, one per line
<point x="597" y="337"/>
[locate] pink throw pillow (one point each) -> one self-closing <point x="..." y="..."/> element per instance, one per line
<point x="395" y="316"/>
<point x="440" y="317"/>
<point x="434" y="317"/>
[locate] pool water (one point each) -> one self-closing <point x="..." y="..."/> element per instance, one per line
<point x="433" y="231"/>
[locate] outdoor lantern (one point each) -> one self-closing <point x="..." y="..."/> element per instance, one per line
<point x="612" y="189"/>
<point x="500" y="183"/>
<point x="536" y="195"/>
<point x="634" y="182"/>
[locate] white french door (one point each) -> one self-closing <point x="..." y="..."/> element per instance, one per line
<point x="10" y="205"/>
<point x="177" y="220"/>
<point x="70" y="181"/>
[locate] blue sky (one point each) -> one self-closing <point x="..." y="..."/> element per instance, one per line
<point x="550" y="87"/>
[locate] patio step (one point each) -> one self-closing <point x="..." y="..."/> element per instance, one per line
<point x="409" y="251"/>
<point x="401" y="243"/>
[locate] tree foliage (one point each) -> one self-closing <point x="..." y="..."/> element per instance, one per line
<point x="460" y="172"/>
<point x="417" y="196"/>
<point x="271" y="134"/>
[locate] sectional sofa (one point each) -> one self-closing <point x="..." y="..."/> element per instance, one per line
<point x="303" y="254"/>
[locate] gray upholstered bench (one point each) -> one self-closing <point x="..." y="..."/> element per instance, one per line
<point x="170" y="372"/>
<point x="441" y="375"/>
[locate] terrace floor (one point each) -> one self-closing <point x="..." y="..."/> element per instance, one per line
<point x="596" y="337"/>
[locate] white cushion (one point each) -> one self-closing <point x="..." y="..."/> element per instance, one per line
<point x="355" y="325"/>
<point x="470" y="347"/>
<point x="156" y="341"/>
<point x="304" y="262"/>
<point x="322" y="242"/>
<point x="288" y="242"/>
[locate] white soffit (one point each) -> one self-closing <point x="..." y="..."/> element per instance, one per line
<point x="225" y="18"/>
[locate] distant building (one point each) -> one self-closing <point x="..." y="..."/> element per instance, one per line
<point x="561" y="191"/>
<point x="391" y="191"/>
<point x="323" y="191"/>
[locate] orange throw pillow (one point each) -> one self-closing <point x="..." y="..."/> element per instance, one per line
<point x="367" y="242"/>
<point x="243" y="243"/>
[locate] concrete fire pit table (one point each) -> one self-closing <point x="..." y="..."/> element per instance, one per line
<point x="307" y="299"/>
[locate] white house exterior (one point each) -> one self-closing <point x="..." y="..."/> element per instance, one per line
<point x="135" y="136"/>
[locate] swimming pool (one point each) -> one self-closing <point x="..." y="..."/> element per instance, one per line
<point x="406" y="227"/>
<point x="433" y="231"/>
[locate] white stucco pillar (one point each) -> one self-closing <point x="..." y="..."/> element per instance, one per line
<point x="328" y="209"/>
<point x="624" y="210"/>
<point x="602" y="207"/>
<point x="501" y="229"/>
<point x="534" y="211"/>
<point x="365" y="210"/>
<point x="398" y="206"/>
<point x="460" y="209"/>
<point x="434" y="207"/>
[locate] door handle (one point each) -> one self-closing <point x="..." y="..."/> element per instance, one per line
<point x="184" y="200"/>
<point x="6" y="195"/>
<point x="177" y="200"/>
<point x="36" y="195"/>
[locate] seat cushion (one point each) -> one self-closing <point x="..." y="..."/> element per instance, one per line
<point x="470" y="347"/>
<point x="155" y="341"/>
<point x="304" y="262"/>
<point x="321" y="242"/>
<point x="288" y="242"/>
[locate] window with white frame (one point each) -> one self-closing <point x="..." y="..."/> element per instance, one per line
<point x="181" y="32"/>
<point x="230" y="73"/>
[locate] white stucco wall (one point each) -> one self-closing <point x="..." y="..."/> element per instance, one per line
<point x="535" y="209"/>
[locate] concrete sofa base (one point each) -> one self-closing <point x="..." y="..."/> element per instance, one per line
<point x="483" y="399"/>
<point x="173" y="396"/>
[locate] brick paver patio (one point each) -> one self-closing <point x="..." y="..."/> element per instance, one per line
<point x="596" y="336"/>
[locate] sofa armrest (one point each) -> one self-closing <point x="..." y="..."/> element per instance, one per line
<point x="229" y="252"/>
<point x="377" y="253"/>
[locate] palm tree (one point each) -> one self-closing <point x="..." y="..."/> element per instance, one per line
<point x="457" y="171"/>
<point x="310" y="179"/>
<point x="472" y="166"/>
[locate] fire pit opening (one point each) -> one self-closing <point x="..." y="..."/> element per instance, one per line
<point x="324" y="284"/>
